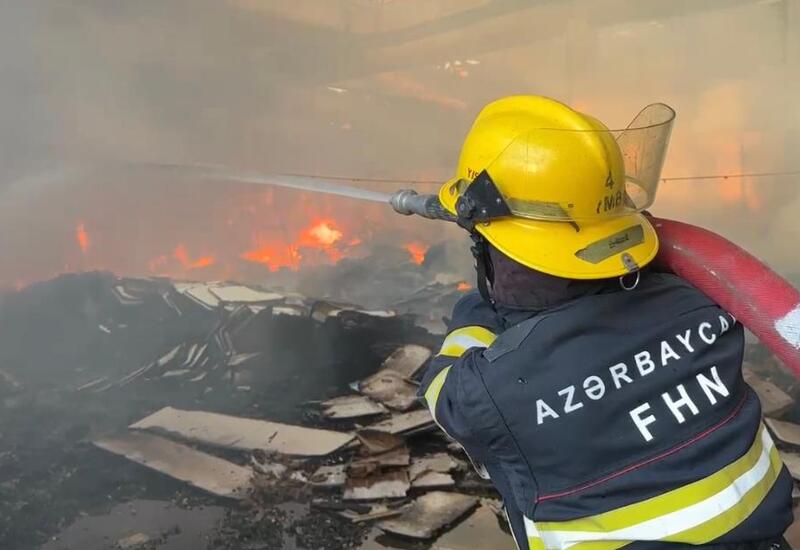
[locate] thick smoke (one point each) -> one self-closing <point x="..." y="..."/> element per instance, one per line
<point x="366" y="89"/>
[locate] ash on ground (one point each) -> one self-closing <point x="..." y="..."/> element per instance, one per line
<point x="84" y="356"/>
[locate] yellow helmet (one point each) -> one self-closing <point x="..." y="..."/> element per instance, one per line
<point x="556" y="190"/>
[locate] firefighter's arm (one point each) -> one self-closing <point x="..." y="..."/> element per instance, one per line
<point x="473" y="328"/>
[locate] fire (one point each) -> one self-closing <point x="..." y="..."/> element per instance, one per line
<point x="236" y="245"/>
<point x="417" y="252"/>
<point x="463" y="286"/>
<point x="274" y="256"/>
<point x="182" y="255"/>
<point x="322" y="235"/>
<point x="158" y="264"/>
<point x="82" y="237"/>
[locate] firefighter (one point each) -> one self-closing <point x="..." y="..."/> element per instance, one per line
<point x="602" y="398"/>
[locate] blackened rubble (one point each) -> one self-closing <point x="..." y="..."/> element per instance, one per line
<point x="85" y="355"/>
<point x="106" y="382"/>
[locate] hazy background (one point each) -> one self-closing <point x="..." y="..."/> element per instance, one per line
<point x="359" y="88"/>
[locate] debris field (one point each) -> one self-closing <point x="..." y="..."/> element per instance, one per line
<point x="292" y="422"/>
<point x="150" y="413"/>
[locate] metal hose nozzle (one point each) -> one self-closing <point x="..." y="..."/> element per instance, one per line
<point x="408" y="202"/>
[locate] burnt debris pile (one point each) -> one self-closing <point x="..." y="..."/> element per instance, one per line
<point x="282" y="421"/>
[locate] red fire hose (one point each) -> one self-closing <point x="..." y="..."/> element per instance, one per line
<point x="757" y="296"/>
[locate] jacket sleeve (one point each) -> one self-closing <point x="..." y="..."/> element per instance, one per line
<point x="474" y="326"/>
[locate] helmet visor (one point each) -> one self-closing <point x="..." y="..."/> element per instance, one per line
<point x="583" y="174"/>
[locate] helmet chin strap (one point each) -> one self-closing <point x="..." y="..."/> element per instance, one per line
<point x="483" y="267"/>
<point x="481" y="202"/>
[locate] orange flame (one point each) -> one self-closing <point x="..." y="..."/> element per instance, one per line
<point x="274" y="256"/>
<point x="82" y="237"/>
<point x="321" y="235"/>
<point x="182" y="255"/>
<point x="463" y="286"/>
<point x="417" y="252"/>
<point x="158" y="264"/>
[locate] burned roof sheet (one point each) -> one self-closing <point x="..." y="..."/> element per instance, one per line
<point x="234" y="432"/>
<point x="204" y="471"/>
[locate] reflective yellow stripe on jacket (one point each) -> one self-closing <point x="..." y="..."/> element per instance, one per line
<point x="696" y="513"/>
<point x="460" y="340"/>
<point x="454" y="345"/>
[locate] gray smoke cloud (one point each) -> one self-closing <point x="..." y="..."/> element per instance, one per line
<point x="381" y="89"/>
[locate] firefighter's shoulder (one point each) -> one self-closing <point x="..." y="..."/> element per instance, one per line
<point x="471" y="309"/>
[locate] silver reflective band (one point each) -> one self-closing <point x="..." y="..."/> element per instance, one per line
<point x="611" y="245"/>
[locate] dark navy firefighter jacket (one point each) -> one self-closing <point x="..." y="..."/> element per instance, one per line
<point x="616" y="419"/>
